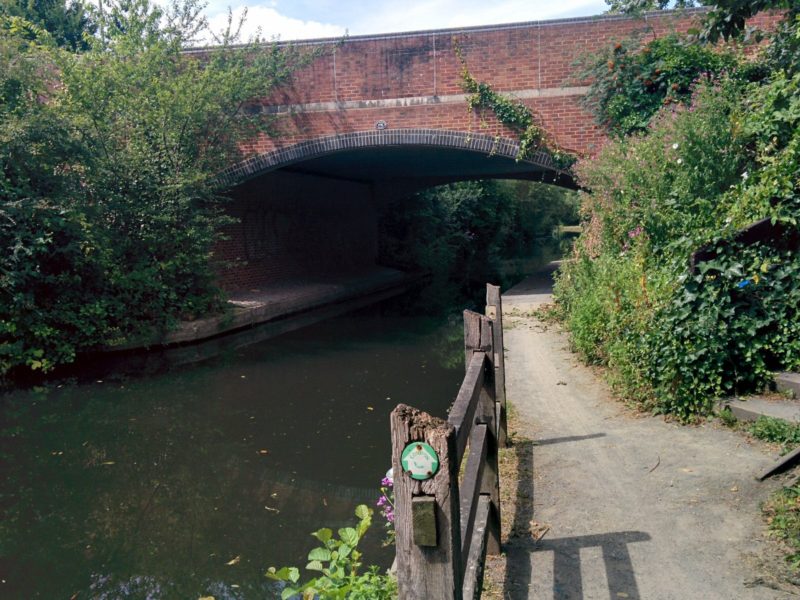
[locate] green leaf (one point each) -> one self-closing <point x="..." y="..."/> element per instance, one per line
<point x="322" y="554"/>
<point x="294" y="574"/>
<point x="323" y="535"/>
<point x="349" y="536"/>
<point x="314" y="565"/>
<point x="288" y="593"/>
<point x="362" y="511"/>
<point x="284" y="574"/>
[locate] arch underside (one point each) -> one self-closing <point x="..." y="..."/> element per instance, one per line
<point x="425" y="156"/>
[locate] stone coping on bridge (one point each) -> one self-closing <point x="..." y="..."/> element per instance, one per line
<point x="283" y="299"/>
<point x="449" y="31"/>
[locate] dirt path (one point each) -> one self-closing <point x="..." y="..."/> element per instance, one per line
<point x="632" y="506"/>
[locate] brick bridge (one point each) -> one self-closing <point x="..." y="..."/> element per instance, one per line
<point x="375" y="117"/>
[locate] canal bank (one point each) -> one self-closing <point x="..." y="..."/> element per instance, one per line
<point x="284" y="299"/>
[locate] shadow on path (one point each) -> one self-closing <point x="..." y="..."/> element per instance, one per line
<point x="567" y="579"/>
<point x="569" y="438"/>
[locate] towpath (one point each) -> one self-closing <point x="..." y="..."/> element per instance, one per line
<point x="624" y="505"/>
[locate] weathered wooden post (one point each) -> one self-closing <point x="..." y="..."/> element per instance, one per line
<point x="479" y="337"/>
<point x="428" y="534"/>
<point x="442" y="536"/>
<point x="494" y="310"/>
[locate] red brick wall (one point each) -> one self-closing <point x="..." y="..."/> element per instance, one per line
<point x="528" y="56"/>
<point x="533" y="56"/>
<point x="292" y="224"/>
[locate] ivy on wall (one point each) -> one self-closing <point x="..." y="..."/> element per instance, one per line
<point x="513" y="114"/>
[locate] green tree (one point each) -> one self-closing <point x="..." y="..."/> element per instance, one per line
<point x="462" y="231"/>
<point x="630" y="82"/>
<point x="67" y="22"/>
<point x="110" y="161"/>
<point x="726" y="18"/>
<point x="676" y="338"/>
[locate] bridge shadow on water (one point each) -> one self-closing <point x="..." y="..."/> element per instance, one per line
<point x="523" y="550"/>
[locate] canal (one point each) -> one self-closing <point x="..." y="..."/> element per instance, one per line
<point x="192" y="482"/>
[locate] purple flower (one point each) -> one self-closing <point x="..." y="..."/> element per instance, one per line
<point x="386" y="482"/>
<point x="635" y="232"/>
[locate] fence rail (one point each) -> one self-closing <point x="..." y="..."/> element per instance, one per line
<point x="446" y="524"/>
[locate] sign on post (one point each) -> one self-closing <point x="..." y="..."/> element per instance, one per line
<point x="420" y="461"/>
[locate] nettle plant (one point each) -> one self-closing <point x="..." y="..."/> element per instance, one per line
<point x="338" y="561"/>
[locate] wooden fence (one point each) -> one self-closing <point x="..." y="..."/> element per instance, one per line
<point x="445" y="526"/>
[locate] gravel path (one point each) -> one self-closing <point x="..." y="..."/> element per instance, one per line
<point x="631" y="506"/>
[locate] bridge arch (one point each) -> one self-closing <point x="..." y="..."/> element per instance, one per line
<point x="314" y="205"/>
<point x="431" y="156"/>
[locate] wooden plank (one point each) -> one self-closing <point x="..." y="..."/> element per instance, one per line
<point x="471" y="484"/>
<point x="473" y="573"/>
<point x="478" y="336"/>
<point x="490" y="485"/>
<point x="780" y="464"/>
<point x="423" y="520"/>
<point x="462" y="414"/>
<point x="777" y="235"/>
<point x="494" y="305"/>
<point x="425" y="572"/>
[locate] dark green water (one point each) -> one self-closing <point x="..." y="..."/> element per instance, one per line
<point x="191" y="483"/>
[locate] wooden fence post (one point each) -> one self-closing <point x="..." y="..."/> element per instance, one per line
<point x="479" y="337"/>
<point x="494" y="310"/>
<point x="428" y="559"/>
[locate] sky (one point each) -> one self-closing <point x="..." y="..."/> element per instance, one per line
<point x="308" y="19"/>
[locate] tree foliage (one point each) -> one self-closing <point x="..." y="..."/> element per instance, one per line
<point x="630" y="81"/>
<point x="111" y="204"/>
<point x="725" y="19"/>
<point x="68" y="23"/>
<point x="677" y="338"/>
<point x="463" y="231"/>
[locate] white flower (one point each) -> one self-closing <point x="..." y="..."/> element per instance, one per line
<point x="680" y="161"/>
<point x="745" y="176"/>
<point x="675" y="146"/>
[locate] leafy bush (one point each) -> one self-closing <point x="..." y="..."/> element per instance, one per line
<point x="338" y="562"/>
<point x="109" y="201"/>
<point x="464" y="230"/>
<point x="676" y="338"/>
<point x="631" y="82"/>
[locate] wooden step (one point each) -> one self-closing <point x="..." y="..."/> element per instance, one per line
<point x="789" y="383"/>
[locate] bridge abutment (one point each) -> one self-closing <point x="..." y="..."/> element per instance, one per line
<point x="292" y="224"/>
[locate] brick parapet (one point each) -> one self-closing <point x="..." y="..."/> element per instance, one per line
<point x="413" y="80"/>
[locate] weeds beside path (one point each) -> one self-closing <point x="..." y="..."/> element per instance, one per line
<point x="608" y="503"/>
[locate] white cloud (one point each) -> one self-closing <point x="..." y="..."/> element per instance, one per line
<point x="272" y="24"/>
<point x="332" y="18"/>
<point x="435" y="14"/>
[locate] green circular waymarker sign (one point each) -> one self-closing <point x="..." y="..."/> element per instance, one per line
<point x="419" y="460"/>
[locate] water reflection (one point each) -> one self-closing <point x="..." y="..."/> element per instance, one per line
<point x="191" y="483"/>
